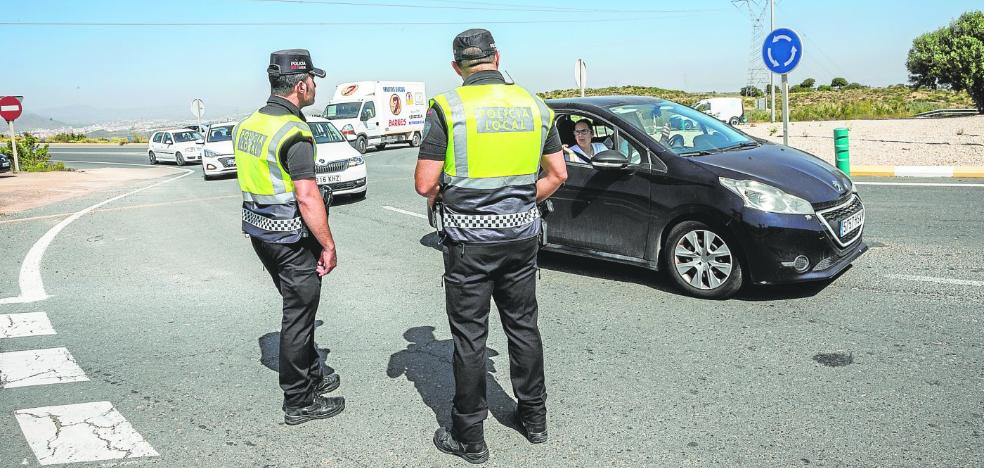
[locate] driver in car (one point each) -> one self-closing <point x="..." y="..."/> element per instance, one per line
<point x="584" y="150"/>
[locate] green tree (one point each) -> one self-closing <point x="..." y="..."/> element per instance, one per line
<point x="838" y="82"/>
<point x="808" y="83"/>
<point x="32" y="155"/>
<point x="751" y="91"/>
<point x="952" y="56"/>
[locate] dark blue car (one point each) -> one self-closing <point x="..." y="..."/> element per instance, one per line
<point x="5" y="164"/>
<point x="710" y="205"/>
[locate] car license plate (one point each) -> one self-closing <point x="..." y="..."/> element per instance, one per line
<point x="328" y="178"/>
<point x="851" y="223"/>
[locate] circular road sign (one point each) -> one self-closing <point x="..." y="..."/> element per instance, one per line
<point x="782" y="50"/>
<point x="10" y="108"/>
<point x="198" y="108"/>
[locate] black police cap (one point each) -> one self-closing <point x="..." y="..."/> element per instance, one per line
<point x="473" y="44"/>
<point x="292" y="62"/>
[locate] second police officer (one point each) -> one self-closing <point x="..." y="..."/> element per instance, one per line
<point x="483" y="146"/>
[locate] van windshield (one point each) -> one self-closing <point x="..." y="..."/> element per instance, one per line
<point x="685" y="131"/>
<point x="342" y="110"/>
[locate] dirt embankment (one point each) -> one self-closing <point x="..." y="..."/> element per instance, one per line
<point x="29" y="190"/>
<point x="957" y="141"/>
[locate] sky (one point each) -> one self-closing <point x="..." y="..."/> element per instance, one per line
<point x="144" y="58"/>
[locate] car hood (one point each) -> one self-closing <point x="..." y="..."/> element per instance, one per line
<point x="788" y="169"/>
<point x="219" y="147"/>
<point x="328" y="152"/>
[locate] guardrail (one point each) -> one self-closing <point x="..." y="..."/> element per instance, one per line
<point x="946" y="113"/>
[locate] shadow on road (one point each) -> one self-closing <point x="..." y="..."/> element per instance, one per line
<point x="270" y="352"/>
<point x="426" y="362"/>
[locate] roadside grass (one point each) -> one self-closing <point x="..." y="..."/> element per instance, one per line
<point x="893" y="102"/>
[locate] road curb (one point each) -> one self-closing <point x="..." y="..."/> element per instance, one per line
<point x="919" y="171"/>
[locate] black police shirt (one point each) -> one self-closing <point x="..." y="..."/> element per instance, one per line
<point x="435" y="143"/>
<point x="298" y="158"/>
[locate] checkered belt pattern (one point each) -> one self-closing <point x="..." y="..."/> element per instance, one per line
<point x="491" y="221"/>
<point x="267" y="224"/>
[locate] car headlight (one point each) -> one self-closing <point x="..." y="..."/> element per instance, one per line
<point x="356" y="161"/>
<point x="766" y="197"/>
<point x="210" y="154"/>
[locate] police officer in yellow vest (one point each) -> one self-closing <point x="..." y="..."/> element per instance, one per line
<point x="484" y="144"/>
<point x="285" y="216"/>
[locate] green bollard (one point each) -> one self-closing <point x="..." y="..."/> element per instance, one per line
<point x="842" y="150"/>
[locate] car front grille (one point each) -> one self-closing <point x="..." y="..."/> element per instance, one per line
<point x="348" y="185"/>
<point x="334" y="166"/>
<point x="832" y="218"/>
<point x="228" y="162"/>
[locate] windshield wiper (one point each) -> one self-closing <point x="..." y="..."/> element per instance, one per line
<point x="696" y="153"/>
<point x="747" y="144"/>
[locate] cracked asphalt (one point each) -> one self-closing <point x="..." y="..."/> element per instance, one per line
<point x="163" y="304"/>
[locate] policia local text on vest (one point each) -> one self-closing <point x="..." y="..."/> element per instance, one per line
<point x="483" y="146"/>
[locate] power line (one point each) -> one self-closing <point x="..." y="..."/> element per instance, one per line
<point x="480" y="6"/>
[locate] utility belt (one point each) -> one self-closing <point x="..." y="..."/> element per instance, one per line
<point x="440" y="219"/>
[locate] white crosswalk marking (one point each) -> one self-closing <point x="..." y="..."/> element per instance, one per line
<point x="27" y="324"/>
<point x="39" y="367"/>
<point x="83" y="432"/>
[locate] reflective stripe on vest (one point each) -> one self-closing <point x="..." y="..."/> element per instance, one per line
<point x="269" y="205"/>
<point x="496" y="136"/>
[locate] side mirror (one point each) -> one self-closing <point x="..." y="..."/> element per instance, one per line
<point x="200" y="141"/>
<point x="609" y="159"/>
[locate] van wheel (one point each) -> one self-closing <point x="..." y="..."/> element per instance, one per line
<point x="361" y="145"/>
<point x="178" y="159"/>
<point x="734" y="121"/>
<point x="701" y="261"/>
<point x="415" y="142"/>
<point x="152" y="157"/>
<point x="380" y="146"/>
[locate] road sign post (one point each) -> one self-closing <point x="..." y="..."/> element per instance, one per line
<point x="581" y="75"/>
<point x="781" y="52"/>
<point x="198" y="109"/>
<point x="10" y="110"/>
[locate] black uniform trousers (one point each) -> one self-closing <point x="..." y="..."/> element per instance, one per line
<point x="474" y="274"/>
<point x="293" y="268"/>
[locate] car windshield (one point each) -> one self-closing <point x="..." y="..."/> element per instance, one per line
<point x="325" y="132"/>
<point x="223" y="133"/>
<point x="183" y="137"/>
<point x="342" y="110"/>
<point x="683" y="130"/>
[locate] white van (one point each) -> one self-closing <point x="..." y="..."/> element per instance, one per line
<point x="378" y="112"/>
<point x="726" y="109"/>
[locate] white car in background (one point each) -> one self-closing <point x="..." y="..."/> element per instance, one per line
<point x="179" y="145"/>
<point x="338" y="164"/>
<point x="217" y="155"/>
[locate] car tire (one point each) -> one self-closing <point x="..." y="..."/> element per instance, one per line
<point x="361" y="145"/>
<point x="415" y="141"/>
<point x="179" y="159"/>
<point x="152" y="157"/>
<point x="206" y="176"/>
<point x="688" y="261"/>
<point x="734" y="121"/>
<point x="380" y="146"/>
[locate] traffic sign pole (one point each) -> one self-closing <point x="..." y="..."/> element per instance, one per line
<point x="785" y="109"/>
<point x="13" y="144"/>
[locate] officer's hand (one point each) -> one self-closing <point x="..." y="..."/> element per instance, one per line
<point x="327" y="261"/>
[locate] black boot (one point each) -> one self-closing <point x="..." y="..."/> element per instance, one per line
<point x="476" y="452"/>
<point x="536" y="433"/>
<point x="320" y="408"/>
<point x="328" y="384"/>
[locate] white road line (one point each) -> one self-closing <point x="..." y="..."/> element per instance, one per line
<point x="918" y="184"/>
<point x="84" y="432"/>
<point x="39" y="367"/>
<point x="27" y="324"/>
<point x="933" y="279"/>
<point x="408" y="213"/>
<point x="30" y="282"/>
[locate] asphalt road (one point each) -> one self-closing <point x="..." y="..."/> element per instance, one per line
<point x="163" y="305"/>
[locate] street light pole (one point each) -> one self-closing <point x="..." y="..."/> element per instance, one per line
<point x="772" y="76"/>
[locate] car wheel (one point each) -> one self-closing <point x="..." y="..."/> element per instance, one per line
<point x="206" y="176"/>
<point x="415" y="142"/>
<point x="152" y="157"/>
<point x="361" y="145"/>
<point x="734" y="121"/>
<point x="381" y="147"/>
<point x="701" y="261"/>
<point x="178" y="159"/>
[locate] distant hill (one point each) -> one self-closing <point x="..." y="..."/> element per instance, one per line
<point x="892" y="102"/>
<point x="28" y="122"/>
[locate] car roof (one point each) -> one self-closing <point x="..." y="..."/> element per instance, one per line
<point x="182" y="129"/>
<point x="602" y="101"/>
<point x="221" y="124"/>
<point x="317" y="119"/>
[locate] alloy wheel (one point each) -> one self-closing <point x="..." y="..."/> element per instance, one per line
<point x="703" y="259"/>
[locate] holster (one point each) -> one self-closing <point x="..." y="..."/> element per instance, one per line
<point x="326" y="194"/>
